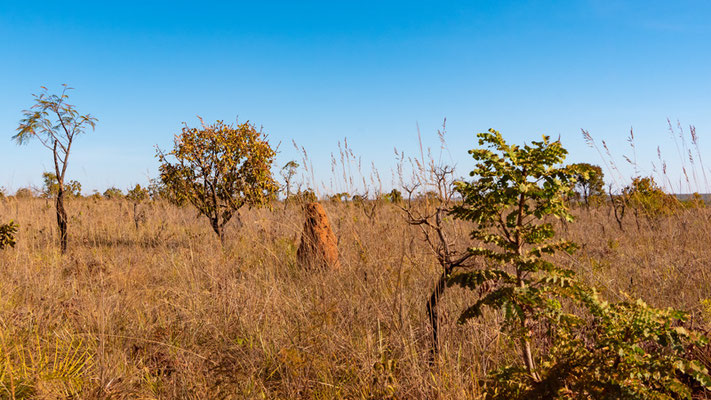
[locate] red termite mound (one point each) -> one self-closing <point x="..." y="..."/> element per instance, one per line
<point x="318" y="248"/>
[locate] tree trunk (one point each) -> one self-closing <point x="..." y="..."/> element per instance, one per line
<point x="61" y="219"/>
<point x="135" y="214"/>
<point x="219" y="230"/>
<point x="527" y="356"/>
<point x="432" y="314"/>
<point x="526" y="343"/>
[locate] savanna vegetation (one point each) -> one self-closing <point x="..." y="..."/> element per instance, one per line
<point x="525" y="279"/>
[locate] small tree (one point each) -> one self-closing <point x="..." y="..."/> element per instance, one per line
<point x="113" y="193"/>
<point x="515" y="189"/>
<point x="136" y="196"/>
<point x="220" y="168"/>
<point x="589" y="181"/>
<point x="395" y="196"/>
<point x="55" y="123"/>
<point x="287" y="172"/>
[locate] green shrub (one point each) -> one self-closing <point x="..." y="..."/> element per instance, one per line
<point x="7" y="234"/>
<point x="628" y="350"/>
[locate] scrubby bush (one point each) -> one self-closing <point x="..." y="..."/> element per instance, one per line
<point x="341" y="197"/>
<point x="303" y="196"/>
<point x="51" y="186"/>
<point x="629" y="351"/>
<point x="645" y="196"/>
<point x="24" y="193"/>
<point x="113" y="193"/>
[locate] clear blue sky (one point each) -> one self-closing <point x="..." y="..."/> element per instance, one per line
<point x="317" y="72"/>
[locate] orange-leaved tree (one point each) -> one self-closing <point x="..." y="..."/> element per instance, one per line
<point x="219" y="168"/>
<point x="55" y="123"/>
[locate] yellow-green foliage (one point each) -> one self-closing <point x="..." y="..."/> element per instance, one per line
<point x="219" y="168"/>
<point x="645" y="195"/>
<point x="43" y="368"/>
<point x="137" y="194"/>
<point x="7" y="234"/>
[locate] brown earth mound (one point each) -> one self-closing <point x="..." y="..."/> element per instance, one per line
<point x="318" y="248"/>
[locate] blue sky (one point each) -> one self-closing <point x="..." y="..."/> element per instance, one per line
<point x="372" y="72"/>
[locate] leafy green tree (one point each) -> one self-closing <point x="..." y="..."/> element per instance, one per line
<point x="220" y="168"/>
<point x="137" y="194"/>
<point x="55" y="124"/>
<point x="7" y="234"/>
<point x="589" y="181"/>
<point x="515" y="188"/>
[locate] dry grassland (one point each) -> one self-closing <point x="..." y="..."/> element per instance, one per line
<point x="165" y="312"/>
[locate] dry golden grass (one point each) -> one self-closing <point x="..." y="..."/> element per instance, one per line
<point x="165" y="312"/>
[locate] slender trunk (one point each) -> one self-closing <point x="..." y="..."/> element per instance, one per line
<point x="219" y="230"/>
<point x="432" y="314"/>
<point x="135" y="214"/>
<point x="526" y="346"/>
<point x="526" y="350"/>
<point x="61" y="219"/>
<point x="525" y="339"/>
